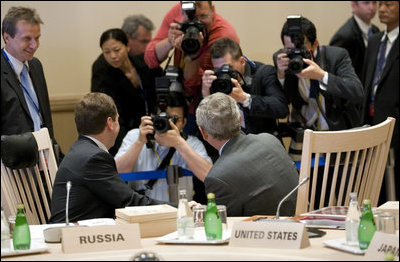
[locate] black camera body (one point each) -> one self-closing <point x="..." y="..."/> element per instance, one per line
<point x="223" y="82"/>
<point x="161" y="122"/>
<point x="191" y="28"/>
<point x="296" y="64"/>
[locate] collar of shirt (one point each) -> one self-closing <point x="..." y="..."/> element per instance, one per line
<point x="362" y="25"/>
<point x="16" y="64"/>
<point x="222" y="148"/>
<point x="98" y="143"/>
<point x="392" y="35"/>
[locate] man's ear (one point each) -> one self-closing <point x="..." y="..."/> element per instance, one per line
<point x="203" y="133"/>
<point x="110" y="123"/>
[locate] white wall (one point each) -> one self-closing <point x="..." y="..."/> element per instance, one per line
<point x="71" y="30"/>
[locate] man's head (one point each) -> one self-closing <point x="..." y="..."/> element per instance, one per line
<point x="389" y="14"/>
<point x="365" y="10"/>
<point x="204" y="12"/>
<point x="177" y="108"/>
<point x="227" y="51"/>
<point x="309" y="31"/>
<point x="97" y="114"/>
<point x="138" y="29"/>
<point x="218" y="115"/>
<point x="21" y="32"/>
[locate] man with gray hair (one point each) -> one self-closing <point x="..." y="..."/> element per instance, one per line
<point x="138" y="28"/>
<point x="253" y="172"/>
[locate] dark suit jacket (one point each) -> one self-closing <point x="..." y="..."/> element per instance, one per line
<point x="349" y="36"/>
<point x="387" y="93"/>
<point x="15" y="116"/>
<point x="129" y="100"/>
<point x="344" y="93"/>
<point x="252" y="175"/>
<point x="97" y="189"/>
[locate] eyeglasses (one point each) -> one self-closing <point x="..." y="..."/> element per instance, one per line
<point x="204" y="16"/>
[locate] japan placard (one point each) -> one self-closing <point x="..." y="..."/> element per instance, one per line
<point x="383" y="246"/>
<point x="285" y="235"/>
<point x="100" y="238"/>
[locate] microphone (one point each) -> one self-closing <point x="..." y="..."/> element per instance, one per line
<point x="302" y="182"/>
<point x="53" y="234"/>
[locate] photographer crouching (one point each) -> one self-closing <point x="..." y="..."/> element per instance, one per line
<point x="253" y="85"/>
<point x="159" y="142"/>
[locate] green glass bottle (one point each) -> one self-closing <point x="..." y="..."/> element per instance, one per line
<point x="21" y="234"/>
<point x="367" y="227"/>
<point x="212" y="221"/>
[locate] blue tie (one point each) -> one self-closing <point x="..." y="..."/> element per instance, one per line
<point x="378" y="72"/>
<point x="31" y="98"/>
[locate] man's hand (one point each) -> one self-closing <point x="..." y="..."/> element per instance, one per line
<point x="171" y="138"/>
<point x="207" y="79"/>
<point x="175" y="35"/>
<point x="145" y="128"/>
<point x="282" y="62"/>
<point x="313" y="71"/>
<point x="237" y="92"/>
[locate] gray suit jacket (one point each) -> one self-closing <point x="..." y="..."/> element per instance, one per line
<point x="252" y="175"/>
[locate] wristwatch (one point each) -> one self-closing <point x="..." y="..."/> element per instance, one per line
<point x="247" y="101"/>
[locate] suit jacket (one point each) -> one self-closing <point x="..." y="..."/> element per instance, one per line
<point x="15" y="116"/>
<point x="344" y="93"/>
<point x="97" y="189"/>
<point x="387" y="93"/>
<point x="350" y="37"/>
<point x="130" y="101"/>
<point x="253" y="173"/>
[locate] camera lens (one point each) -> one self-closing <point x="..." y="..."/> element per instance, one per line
<point x="222" y="85"/>
<point x="190" y="43"/>
<point x="296" y="64"/>
<point x="160" y="125"/>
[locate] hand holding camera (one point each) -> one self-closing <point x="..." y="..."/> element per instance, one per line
<point x="207" y="80"/>
<point x="170" y="137"/>
<point x="312" y="71"/>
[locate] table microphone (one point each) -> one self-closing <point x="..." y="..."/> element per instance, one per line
<point x="53" y="234"/>
<point x="288" y="195"/>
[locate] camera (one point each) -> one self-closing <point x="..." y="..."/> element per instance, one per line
<point x="296" y="55"/>
<point x="191" y="28"/>
<point x="170" y="82"/>
<point x="161" y="122"/>
<point x="223" y="82"/>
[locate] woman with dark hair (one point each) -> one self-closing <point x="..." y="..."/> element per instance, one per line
<point x="126" y="79"/>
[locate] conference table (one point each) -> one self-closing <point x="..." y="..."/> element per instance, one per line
<point x="184" y="252"/>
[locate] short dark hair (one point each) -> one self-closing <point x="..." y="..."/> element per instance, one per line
<point x="224" y="46"/>
<point x="92" y="111"/>
<point x="16" y="14"/>
<point x="177" y="99"/>
<point x="307" y="27"/>
<point x="114" y="33"/>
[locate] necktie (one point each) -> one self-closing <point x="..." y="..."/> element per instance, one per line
<point x="370" y="32"/>
<point x="31" y="98"/>
<point x="378" y="71"/>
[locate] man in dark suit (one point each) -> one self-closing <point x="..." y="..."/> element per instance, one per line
<point x="325" y="92"/>
<point x="381" y="77"/>
<point x="25" y="105"/>
<point x="253" y="172"/>
<point x="354" y="34"/>
<point x="97" y="189"/>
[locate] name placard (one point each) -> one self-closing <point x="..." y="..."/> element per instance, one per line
<point x="285" y="235"/>
<point x="381" y="244"/>
<point x="100" y="238"/>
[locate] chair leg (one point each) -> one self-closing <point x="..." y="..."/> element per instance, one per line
<point x="390" y="182"/>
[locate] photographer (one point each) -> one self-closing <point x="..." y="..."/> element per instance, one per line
<point x="319" y="81"/>
<point x="133" y="156"/>
<point x="252" y="84"/>
<point x="170" y="36"/>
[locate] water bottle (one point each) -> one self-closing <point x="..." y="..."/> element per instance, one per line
<point x="5" y="233"/>
<point x="367" y="227"/>
<point x="185" y="223"/>
<point x="21" y="234"/>
<point x="212" y="221"/>
<point x="352" y="221"/>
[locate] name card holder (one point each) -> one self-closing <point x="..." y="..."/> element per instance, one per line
<point x="381" y="244"/>
<point x="282" y="235"/>
<point x="100" y="238"/>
